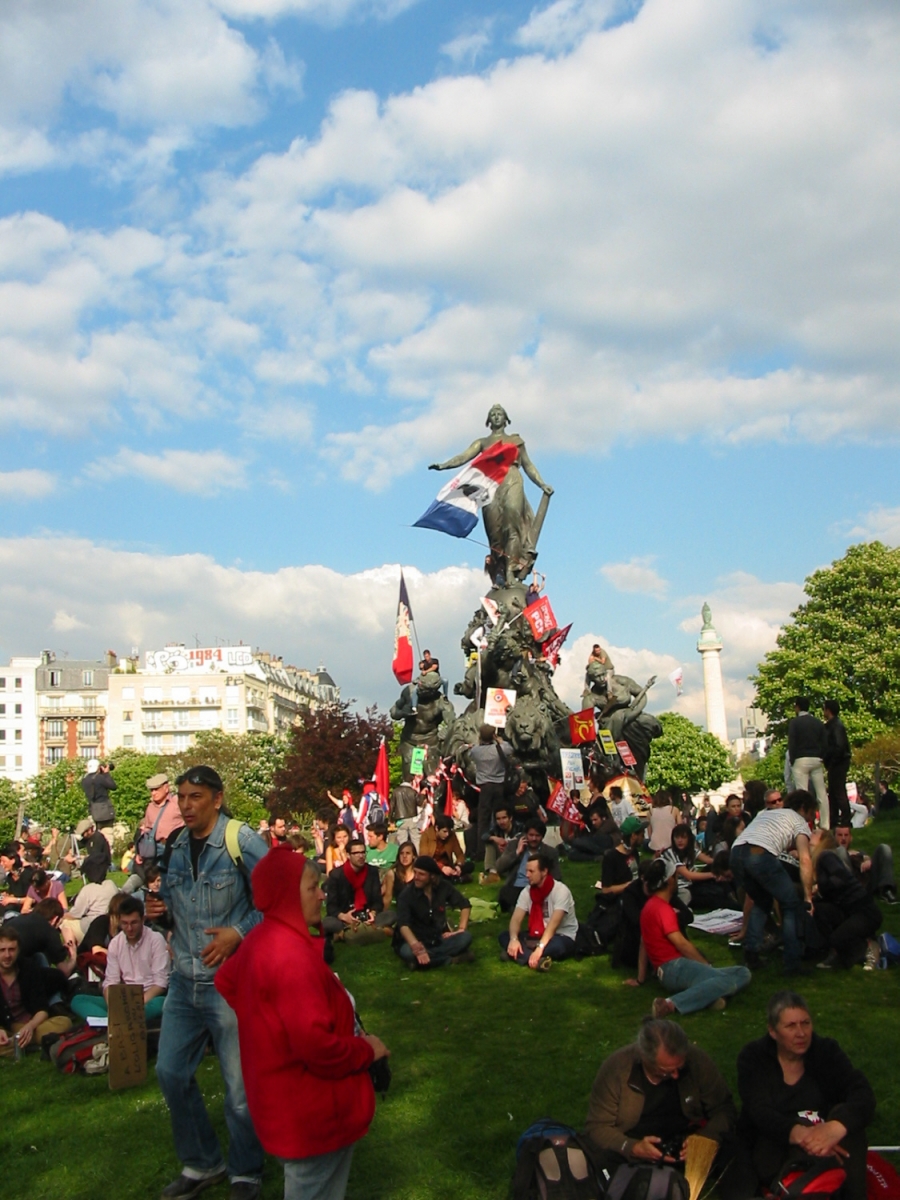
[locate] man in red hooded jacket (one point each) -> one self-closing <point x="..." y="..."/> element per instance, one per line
<point x="306" y="1072"/>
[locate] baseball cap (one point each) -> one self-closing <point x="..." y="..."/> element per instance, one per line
<point x="156" y="781"/>
<point x="631" y="825"/>
<point x="205" y="776"/>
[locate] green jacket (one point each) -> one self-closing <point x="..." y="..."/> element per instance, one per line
<point x="617" y="1100"/>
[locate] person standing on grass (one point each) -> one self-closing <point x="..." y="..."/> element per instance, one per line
<point x="208" y="897"/>
<point x="306" y="1069"/>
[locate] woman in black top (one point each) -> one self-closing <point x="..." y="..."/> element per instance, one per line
<point x="845" y="914"/>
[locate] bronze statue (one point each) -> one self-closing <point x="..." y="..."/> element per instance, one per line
<point x="509" y="521"/>
<point x="620" y="704"/>
<point x="425" y="721"/>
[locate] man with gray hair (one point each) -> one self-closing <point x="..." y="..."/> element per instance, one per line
<point x="649" y="1096"/>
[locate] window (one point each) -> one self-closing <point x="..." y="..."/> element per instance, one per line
<point x="87" y="678"/>
<point x="182" y="718"/>
<point x="152" y="694"/>
<point x="18" y="762"/>
<point x="87" y="752"/>
<point x="88" y="702"/>
<point x="2" y="682"/>
<point x="128" y="716"/>
<point x="2" y="762"/>
<point x="52" y="701"/>
<point x="127" y="693"/>
<point x="232" y="718"/>
<point x="2" y="710"/>
<point x="209" y="719"/>
<point x="128" y="739"/>
<point x="181" y="695"/>
<point x="55" y="728"/>
<point x="55" y="754"/>
<point x="153" y="743"/>
<point x="208" y="695"/>
<point x="232" y="694"/>
<point x="182" y="742"/>
<point x="18" y="685"/>
<point x="18" y="710"/>
<point x="88" y="729"/>
<point x="18" y="735"/>
<point x="56" y="678"/>
<point x="2" y="735"/>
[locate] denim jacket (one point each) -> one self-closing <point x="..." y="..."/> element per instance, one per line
<point x="219" y="896"/>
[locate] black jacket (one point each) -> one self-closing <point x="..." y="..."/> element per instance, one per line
<point x="837" y="744"/>
<point x="509" y="860"/>
<point x="806" y="737"/>
<point x="38" y="936"/>
<point x="838" y="885"/>
<point x="765" y="1097"/>
<point x="37" y="985"/>
<point x="428" y="918"/>
<point x="96" y="788"/>
<point x="339" y="892"/>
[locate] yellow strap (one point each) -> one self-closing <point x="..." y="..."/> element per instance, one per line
<point x="232" y="829"/>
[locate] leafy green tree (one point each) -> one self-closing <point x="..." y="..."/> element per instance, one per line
<point x="55" y="798"/>
<point x="9" y="809"/>
<point x="769" y="769"/>
<point x="884" y="750"/>
<point x="686" y="757"/>
<point x="132" y="770"/>
<point x="842" y="644"/>
<point x="333" y="749"/>
<point x="247" y="764"/>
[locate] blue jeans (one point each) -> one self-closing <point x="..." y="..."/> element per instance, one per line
<point x="558" y="947"/>
<point x="193" y="1013"/>
<point x="322" y="1177"/>
<point x="692" y="985"/>
<point x="765" y="880"/>
<point x="441" y="954"/>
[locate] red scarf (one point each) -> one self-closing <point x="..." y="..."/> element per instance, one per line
<point x="538" y="896"/>
<point x="357" y="880"/>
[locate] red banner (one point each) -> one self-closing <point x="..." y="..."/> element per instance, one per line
<point x="582" y="727"/>
<point x="553" y="645"/>
<point x="540" y="617"/>
<point x="564" y="806"/>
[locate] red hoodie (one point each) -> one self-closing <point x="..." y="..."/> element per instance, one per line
<point x="305" y="1072"/>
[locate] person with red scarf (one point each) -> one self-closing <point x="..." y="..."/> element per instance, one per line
<point x="306" y="1071"/>
<point x="549" y="909"/>
<point x="354" y="900"/>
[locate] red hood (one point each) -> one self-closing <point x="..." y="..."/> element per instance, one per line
<point x="276" y="887"/>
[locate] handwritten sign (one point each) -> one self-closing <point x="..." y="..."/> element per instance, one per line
<point x="127" y="1036"/>
<point x="497" y="704"/>
<point x="572" y="769"/>
<point x="625" y="754"/>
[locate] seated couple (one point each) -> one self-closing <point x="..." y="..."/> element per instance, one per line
<point x="550" y="911"/>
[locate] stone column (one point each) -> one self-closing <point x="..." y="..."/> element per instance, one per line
<point x="710" y="648"/>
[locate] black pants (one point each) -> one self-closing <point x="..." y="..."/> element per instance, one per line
<point x="757" y="1163"/>
<point x="590" y="847"/>
<point x="838" y="804"/>
<point x="847" y="933"/>
<point x="508" y="896"/>
<point x="489" y="799"/>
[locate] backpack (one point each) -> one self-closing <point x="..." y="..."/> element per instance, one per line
<point x="890" y="949"/>
<point x="813" y="1179"/>
<point x="72" y="1051"/>
<point x="552" y="1164"/>
<point x="597" y="934"/>
<point x="647" y="1182"/>
<point x="882" y="1181"/>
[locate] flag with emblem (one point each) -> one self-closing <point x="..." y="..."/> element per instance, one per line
<point x="582" y="727"/>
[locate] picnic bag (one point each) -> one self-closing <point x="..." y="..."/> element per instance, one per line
<point x="72" y="1051"/>
<point x="813" y="1179"/>
<point x="552" y="1164"/>
<point x="647" y="1182"/>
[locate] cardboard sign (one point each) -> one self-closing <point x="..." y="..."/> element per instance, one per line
<point x="625" y="754"/>
<point x="127" y="1035"/>
<point x="607" y="742"/>
<point x="572" y="769"/>
<point x="417" y="761"/>
<point x="497" y="704"/>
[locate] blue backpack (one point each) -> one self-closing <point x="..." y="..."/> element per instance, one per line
<point x="552" y="1164"/>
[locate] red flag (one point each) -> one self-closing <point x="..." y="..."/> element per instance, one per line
<point x="402" y="666"/>
<point x="582" y="727"/>
<point x="540" y="617"/>
<point x="553" y="645"/>
<point x="383" y="775"/>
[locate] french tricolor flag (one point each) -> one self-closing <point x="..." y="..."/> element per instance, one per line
<point x="455" y="511"/>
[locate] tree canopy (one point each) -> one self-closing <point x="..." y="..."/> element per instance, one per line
<point x="842" y="644"/>
<point x="686" y="757"/>
<point x="247" y="764"/>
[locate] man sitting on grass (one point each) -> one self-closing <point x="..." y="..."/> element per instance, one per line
<point x="549" y="909"/>
<point x="353" y="899"/>
<point x="137" y="954"/>
<point x="382" y="854"/>
<point x="423" y="937"/>
<point x="692" y="982"/>
<point x="877" y="872"/>
<point x="513" y="862"/>
<point x="25" y="996"/>
<point x="441" y="843"/>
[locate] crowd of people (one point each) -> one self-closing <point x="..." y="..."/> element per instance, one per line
<point x="224" y="927"/>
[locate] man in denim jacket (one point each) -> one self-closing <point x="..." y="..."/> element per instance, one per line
<point x="208" y="896"/>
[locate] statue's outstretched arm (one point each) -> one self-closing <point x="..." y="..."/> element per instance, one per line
<point x="531" y="470"/>
<point x="458" y="459"/>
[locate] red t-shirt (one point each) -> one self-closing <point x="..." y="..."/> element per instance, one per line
<point x="658" y="920"/>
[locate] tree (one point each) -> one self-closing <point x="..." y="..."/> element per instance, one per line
<point x="333" y="749"/>
<point x="842" y="644"/>
<point x="55" y="798"/>
<point x="247" y="764"/>
<point x="884" y="750"/>
<point x="132" y="770"/>
<point x="769" y="769"/>
<point x="686" y="757"/>
<point x="9" y="809"/>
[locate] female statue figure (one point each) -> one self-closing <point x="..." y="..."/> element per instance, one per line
<point x="508" y="518"/>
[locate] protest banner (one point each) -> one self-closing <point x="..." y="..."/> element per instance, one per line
<point x="572" y="769"/>
<point x="582" y="727"/>
<point x="417" y="760"/>
<point x="497" y="703"/>
<point x="625" y="754"/>
<point x="127" y="1034"/>
<point x="540" y="617"/>
<point x="607" y="742"/>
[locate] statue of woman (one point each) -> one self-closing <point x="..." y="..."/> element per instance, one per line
<point x="508" y="517"/>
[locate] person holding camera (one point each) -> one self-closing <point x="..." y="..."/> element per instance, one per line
<point x="354" y="901"/>
<point x="97" y="785"/>
<point x="306" y="1069"/>
<point x="649" y="1096"/>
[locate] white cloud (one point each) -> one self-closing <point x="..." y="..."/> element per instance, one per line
<point x="278" y="422"/>
<point x="199" y="472"/>
<point x="636" y="575"/>
<point x="27" y="484"/>
<point x="307" y="613"/>
<point x="467" y="47"/>
<point x="565" y="22"/>
<point x="879" y="524"/>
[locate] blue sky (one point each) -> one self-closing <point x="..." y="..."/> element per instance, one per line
<point x="263" y="260"/>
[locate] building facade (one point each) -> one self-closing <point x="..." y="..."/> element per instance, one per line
<point x="72" y="701"/>
<point x="19" y="753"/>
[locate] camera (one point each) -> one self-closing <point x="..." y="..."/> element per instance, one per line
<point x="360" y="914"/>
<point x="671" y="1147"/>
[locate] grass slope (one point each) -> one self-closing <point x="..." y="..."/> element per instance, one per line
<point x="478" y="1053"/>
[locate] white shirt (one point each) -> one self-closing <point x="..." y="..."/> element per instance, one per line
<point x="622" y="810"/>
<point x="774" y="829"/>
<point x="559" y="896"/>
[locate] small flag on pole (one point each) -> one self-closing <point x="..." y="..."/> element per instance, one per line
<point x="676" y="678"/>
<point x="402" y="666"/>
<point x="554" y="644"/>
<point x="456" y="509"/>
<point x="383" y="775"/>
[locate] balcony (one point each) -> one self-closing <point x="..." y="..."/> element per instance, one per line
<point x="193" y="703"/>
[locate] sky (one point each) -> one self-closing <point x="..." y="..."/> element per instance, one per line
<point x="262" y="261"/>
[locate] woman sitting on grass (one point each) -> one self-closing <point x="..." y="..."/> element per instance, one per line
<point x="845" y="914"/>
<point x="403" y="868"/>
<point x="696" y="888"/>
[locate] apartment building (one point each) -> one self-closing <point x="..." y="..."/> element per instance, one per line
<point x="71" y="707"/>
<point x="19" y="754"/>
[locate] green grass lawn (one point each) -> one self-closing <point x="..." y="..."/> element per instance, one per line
<point x="478" y="1053"/>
